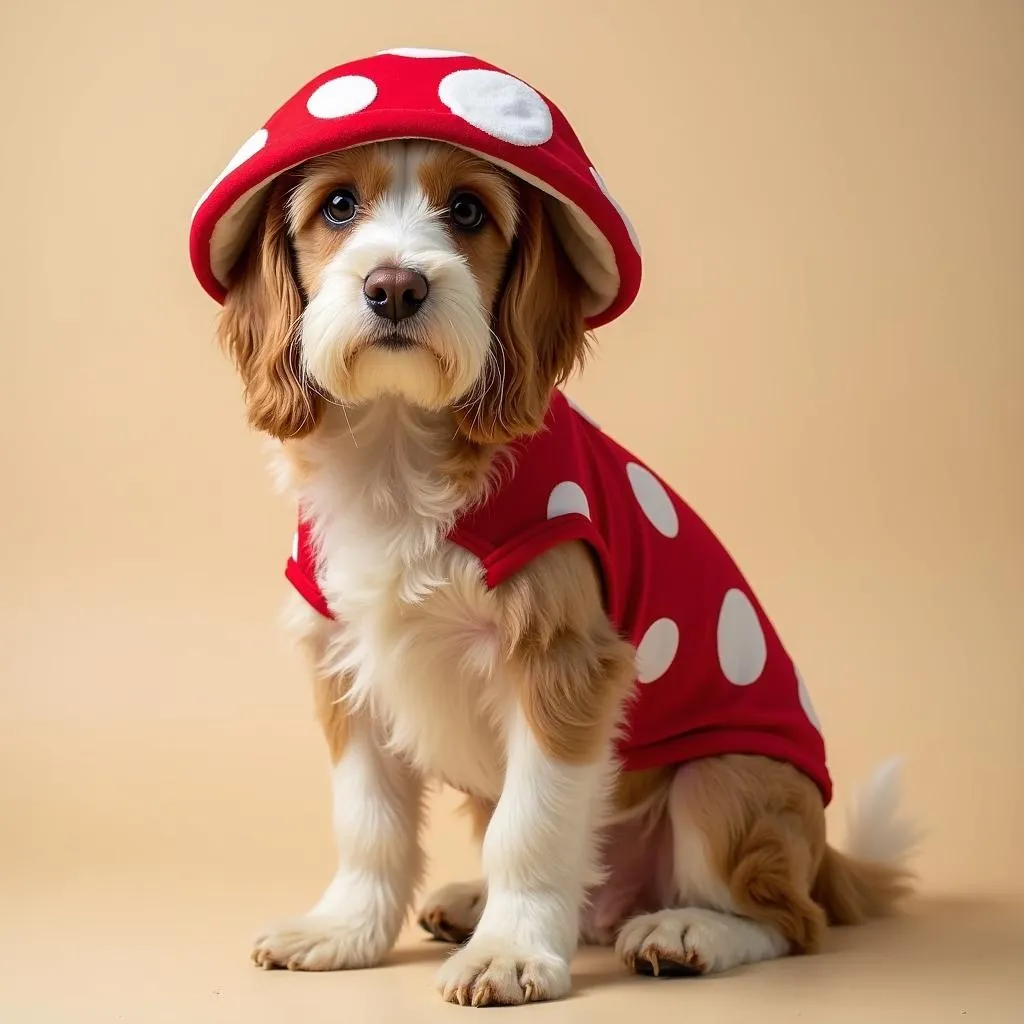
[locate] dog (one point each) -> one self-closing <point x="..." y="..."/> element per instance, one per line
<point x="403" y="318"/>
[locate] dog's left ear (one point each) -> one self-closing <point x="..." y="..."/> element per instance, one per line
<point x="539" y="327"/>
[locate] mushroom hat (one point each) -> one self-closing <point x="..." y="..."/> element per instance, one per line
<point x="436" y="95"/>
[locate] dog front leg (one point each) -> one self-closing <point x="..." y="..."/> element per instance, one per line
<point x="538" y="858"/>
<point x="377" y="811"/>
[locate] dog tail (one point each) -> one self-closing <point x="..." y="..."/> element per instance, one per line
<point x="870" y="877"/>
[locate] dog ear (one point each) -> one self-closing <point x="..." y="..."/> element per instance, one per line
<point x="539" y="327"/>
<point x="259" y="328"/>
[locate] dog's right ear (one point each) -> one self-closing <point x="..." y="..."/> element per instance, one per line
<point x="539" y="329"/>
<point x="259" y="328"/>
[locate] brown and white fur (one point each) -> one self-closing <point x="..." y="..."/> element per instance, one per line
<point x="514" y="696"/>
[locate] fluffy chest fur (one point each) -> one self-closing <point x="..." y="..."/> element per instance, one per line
<point x="417" y="635"/>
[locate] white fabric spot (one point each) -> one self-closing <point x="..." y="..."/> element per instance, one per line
<point x="580" y="412"/>
<point x="295" y="546"/>
<point x="657" y="650"/>
<point x="497" y="104"/>
<point x="246" y="151"/>
<point x="566" y="498"/>
<point x="633" y="236"/>
<point x="805" y="700"/>
<point x="342" y="96"/>
<point x="742" y="650"/>
<point x="416" y="51"/>
<point x="653" y="499"/>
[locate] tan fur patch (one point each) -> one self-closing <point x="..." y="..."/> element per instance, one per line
<point x="852" y="890"/>
<point x="447" y="170"/>
<point x="364" y="170"/>
<point x="469" y="465"/>
<point x="639" y="792"/>
<point x="764" y="825"/>
<point x="332" y="713"/>
<point x="539" y="332"/>
<point x="328" y="700"/>
<point x="765" y="828"/>
<point x="574" y="671"/>
<point x="258" y="328"/>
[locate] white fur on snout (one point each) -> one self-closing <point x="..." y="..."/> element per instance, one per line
<point x="452" y="326"/>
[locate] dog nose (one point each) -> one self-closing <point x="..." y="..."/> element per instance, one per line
<point x="395" y="293"/>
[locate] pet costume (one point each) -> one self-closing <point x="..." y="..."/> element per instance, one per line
<point x="713" y="677"/>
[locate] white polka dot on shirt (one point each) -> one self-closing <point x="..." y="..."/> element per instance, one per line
<point x="742" y="650"/>
<point x="498" y="104"/>
<point x="657" y="650"/>
<point x="566" y="498"/>
<point x="420" y="52"/>
<point x="633" y="236"/>
<point x="342" y="96"/>
<point x="653" y="499"/>
<point x="805" y="700"/>
<point x="246" y="151"/>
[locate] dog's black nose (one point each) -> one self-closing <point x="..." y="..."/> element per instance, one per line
<point x="395" y="293"/>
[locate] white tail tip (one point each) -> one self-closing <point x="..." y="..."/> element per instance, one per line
<point x="875" y="828"/>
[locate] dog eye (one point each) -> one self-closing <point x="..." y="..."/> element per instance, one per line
<point x="340" y="207"/>
<point x="467" y="211"/>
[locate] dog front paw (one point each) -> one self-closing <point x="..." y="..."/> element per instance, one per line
<point x="500" y="974"/>
<point x="315" y="943"/>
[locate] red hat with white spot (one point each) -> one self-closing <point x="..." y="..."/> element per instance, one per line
<point x="443" y="96"/>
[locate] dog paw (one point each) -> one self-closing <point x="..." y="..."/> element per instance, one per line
<point x="685" y="941"/>
<point x="451" y="913"/>
<point x="318" y="944"/>
<point x="502" y="975"/>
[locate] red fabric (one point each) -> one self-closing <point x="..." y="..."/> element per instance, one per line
<point x="691" y="710"/>
<point x="301" y="571"/>
<point x="407" y="104"/>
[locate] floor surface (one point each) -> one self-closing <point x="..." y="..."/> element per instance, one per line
<point x="124" y="949"/>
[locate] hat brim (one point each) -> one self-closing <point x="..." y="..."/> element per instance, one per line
<point x="590" y="226"/>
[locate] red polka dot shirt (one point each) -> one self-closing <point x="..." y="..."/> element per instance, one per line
<point x="712" y="676"/>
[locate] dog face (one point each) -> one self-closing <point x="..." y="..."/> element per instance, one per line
<point x="404" y="268"/>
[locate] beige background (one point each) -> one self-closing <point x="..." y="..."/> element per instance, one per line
<point x="827" y="359"/>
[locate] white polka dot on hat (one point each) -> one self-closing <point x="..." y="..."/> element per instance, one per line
<point x="247" y="149"/>
<point x="634" y="237"/>
<point x="342" y="96"/>
<point x="420" y="53"/>
<point x="498" y="104"/>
